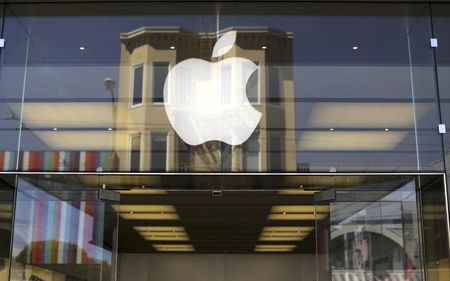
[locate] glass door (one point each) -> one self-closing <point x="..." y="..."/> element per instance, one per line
<point x="64" y="232"/>
<point x="372" y="232"/>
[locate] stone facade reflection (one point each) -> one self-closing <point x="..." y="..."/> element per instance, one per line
<point x="272" y="147"/>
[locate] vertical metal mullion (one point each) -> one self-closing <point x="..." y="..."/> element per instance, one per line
<point x="440" y="111"/>
<point x="13" y="219"/>
<point x="421" y="233"/>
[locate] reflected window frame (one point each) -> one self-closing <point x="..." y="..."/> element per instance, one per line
<point x="155" y="65"/>
<point x="244" y="151"/>
<point x="132" y="88"/>
<point x="132" y="137"/>
<point x="182" y="147"/>
<point x="154" y="134"/>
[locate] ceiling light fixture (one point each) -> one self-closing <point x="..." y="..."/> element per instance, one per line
<point x="148" y="212"/>
<point x="285" y="233"/>
<point x="173" y="247"/>
<point x="298" y="212"/>
<point x="82" y="48"/>
<point x="149" y="216"/>
<point x="355" y="47"/>
<point x="274" y="248"/>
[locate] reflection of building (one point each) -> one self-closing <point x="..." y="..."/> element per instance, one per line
<point x="146" y="56"/>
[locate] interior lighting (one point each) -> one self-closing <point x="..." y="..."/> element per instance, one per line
<point x="173" y="248"/>
<point x="274" y="248"/>
<point x="148" y="212"/>
<point x="298" y="212"/>
<point x="285" y="233"/>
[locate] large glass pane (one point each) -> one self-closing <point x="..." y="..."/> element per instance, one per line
<point x="334" y="91"/>
<point x="63" y="231"/>
<point x="13" y="71"/>
<point x="435" y="228"/>
<point x="7" y="184"/>
<point x="392" y="230"/>
<point x="361" y="88"/>
<point x="424" y="94"/>
<point x="441" y="24"/>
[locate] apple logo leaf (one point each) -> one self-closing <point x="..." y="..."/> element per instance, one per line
<point x="224" y="44"/>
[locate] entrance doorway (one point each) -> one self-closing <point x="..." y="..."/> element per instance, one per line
<point x="230" y="227"/>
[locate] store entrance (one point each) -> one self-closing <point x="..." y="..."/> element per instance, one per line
<point x="381" y="232"/>
<point x="231" y="228"/>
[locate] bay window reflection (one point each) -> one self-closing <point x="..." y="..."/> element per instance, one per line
<point x="251" y="153"/>
<point x="158" y="152"/>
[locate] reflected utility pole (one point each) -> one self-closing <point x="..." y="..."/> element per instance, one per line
<point x="110" y="84"/>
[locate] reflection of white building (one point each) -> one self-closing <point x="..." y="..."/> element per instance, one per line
<point x="358" y="228"/>
<point x="148" y="53"/>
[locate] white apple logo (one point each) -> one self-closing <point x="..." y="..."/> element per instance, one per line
<point x="207" y="101"/>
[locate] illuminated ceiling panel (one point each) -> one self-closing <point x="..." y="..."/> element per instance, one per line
<point x="149" y="216"/>
<point x="147" y="208"/>
<point x="285" y="233"/>
<point x="276" y="238"/>
<point x="173" y="248"/>
<point x="300" y="209"/>
<point x="160" y="228"/>
<point x="274" y="248"/>
<point x="365" y="115"/>
<point x="65" y="114"/>
<point x="165" y="238"/>
<point x="148" y="212"/>
<point x="162" y="233"/>
<point x="288" y="229"/>
<point x="76" y="140"/>
<point x="350" y="140"/>
<point x="296" y="216"/>
<point x="298" y="212"/>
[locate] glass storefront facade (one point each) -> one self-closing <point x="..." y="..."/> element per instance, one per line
<point x="346" y="97"/>
<point x="341" y="87"/>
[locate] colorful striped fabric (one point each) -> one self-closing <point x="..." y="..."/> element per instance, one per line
<point x="8" y="160"/>
<point x="89" y="161"/>
<point x="67" y="232"/>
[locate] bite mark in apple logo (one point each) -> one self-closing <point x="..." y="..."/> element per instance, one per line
<point x="207" y="101"/>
